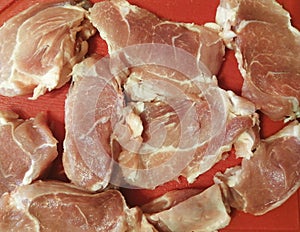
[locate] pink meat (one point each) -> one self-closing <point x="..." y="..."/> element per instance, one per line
<point x="201" y="212"/>
<point x="165" y="132"/>
<point x="87" y="155"/>
<point x="57" y="206"/>
<point x="138" y="26"/>
<point x="154" y="112"/>
<point x="267" y="48"/>
<point x="270" y="177"/>
<point x="45" y="42"/>
<point x="27" y="150"/>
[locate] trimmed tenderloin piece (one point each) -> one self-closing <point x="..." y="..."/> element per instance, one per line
<point x="27" y="149"/>
<point x="267" y="48"/>
<point x="121" y="24"/>
<point x="57" y="206"/>
<point x="269" y="178"/>
<point x="45" y="42"/>
<point x="203" y="211"/>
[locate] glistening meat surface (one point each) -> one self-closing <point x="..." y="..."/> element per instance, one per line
<point x="46" y="40"/>
<point x="269" y="178"/>
<point x="203" y="211"/>
<point x="267" y="48"/>
<point x="56" y="206"/>
<point x="27" y="150"/>
<point x="137" y="26"/>
<point x="166" y="113"/>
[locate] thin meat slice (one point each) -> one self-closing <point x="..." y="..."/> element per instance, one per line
<point x="46" y="41"/>
<point x="267" y="48"/>
<point x="168" y="200"/>
<point x="204" y="211"/>
<point x="27" y="149"/>
<point x="89" y="118"/>
<point x="269" y="178"/>
<point x="58" y="206"/>
<point x="138" y="26"/>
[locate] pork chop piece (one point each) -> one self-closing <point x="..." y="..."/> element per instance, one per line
<point x="204" y="211"/>
<point x="168" y="129"/>
<point x="267" y="48"/>
<point x="163" y="115"/>
<point x="269" y="178"/>
<point x="58" y="206"/>
<point x="45" y="42"/>
<point x="90" y="110"/>
<point x="121" y="25"/>
<point x="27" y="149"/>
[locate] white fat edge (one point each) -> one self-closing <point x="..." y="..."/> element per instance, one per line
<point x="72" y="7"/>
<point x="9" y="89"/>
<point x="34" y="171"/>
<point x="238" y="103"/>
<point x="291" y="130"/>
<point x="239" y="57"/>
<point x="244" y="145"/>
<point x="207" y="162"/>
<point x="233" y="176"/>
<point x="226" y="17"/>
<point x="98" y="186"/>
<point x="296" y="109"/>
<point x="49" y="81"/>
<point x="141" y="91"/>
<point x="6" y="118"/>
<point x="135" y="124"/>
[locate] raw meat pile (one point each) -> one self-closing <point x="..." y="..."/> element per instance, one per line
<point x="148" y="113"/>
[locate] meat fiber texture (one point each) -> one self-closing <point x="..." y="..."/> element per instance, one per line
<point x="45" y="41"/>
<point x="155" y="108"/>
<point x="203" y="211"/>
<point x="57" y="206"/>
<point x="27" y="149"/>
<point x="269" y="177"/>
<point x="267" y="48"/>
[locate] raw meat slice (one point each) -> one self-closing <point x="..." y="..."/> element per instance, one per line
<point x="173" y="116"/>
<point x="269" y="178"/>
<point x="58" y="206"/>
<point x="202" y="212"/>
<point x="138" y="26"/>
<point x="89" y="121"/>
<point x="46" y="40"/>
<point x="169" y="199"/>
<point x="163" y="128"/>
<point x="267" y="48"/>
<point x="27" y="149"/>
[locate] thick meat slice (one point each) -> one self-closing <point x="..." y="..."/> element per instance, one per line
<point x="270" y="177"/>
<point x="45" y="41"/>
<point x="57" y="206"/>
<point x="27" y="149"/>
<point x="138" y="26"/>
<point x="202" y="212"/>
<point x="267" y="48"/>
<point x="89" y="118"/>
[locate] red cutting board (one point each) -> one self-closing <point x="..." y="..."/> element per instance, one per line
<point x="284" y="218"/>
